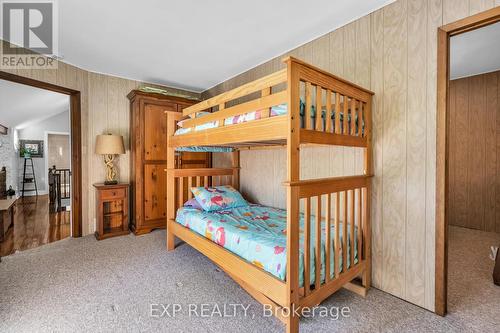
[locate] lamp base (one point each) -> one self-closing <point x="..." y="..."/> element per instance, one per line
<point x="110" y="170"/>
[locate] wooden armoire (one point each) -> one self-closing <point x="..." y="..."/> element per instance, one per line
<point x="148" y="160"/>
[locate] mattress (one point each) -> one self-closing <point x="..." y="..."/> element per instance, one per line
<point x="277" y="110"/>
<point x="257" y="234"/>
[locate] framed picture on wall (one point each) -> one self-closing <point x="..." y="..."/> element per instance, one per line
<point x="31" y="148"/>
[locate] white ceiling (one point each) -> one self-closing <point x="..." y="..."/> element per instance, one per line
<point x="193" y="44"/>
<point x="475" y="52"/>
<point x="22" y="105"/>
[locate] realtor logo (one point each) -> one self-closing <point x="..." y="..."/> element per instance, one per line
<point x="29" y="30"/>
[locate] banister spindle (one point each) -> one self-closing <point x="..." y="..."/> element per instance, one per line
<point x="222" y="106"/>
<point x="352" y="219"/>
<point x="353" y="117"/>
<point x="307" y="246"/>
<point x="338" y="130"/>
<point x="318" y="243"/>
<point x="266" y="112"/>
<point x="328" y="240"/>
<point x="328" y="116"/>
<point x="336" y="258"/>
<point x="344" y="234"/>
<point x="181" y="191"/>
<point x="190" y="184"/>
<point x="319" y="107"/>
<point x="307" y="111"/>
<point x="360" y="223"/>
<point x="360" y="118"/>
<point x="346" y="115"/>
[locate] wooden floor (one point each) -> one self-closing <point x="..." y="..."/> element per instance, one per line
<point x="35" y="226"/>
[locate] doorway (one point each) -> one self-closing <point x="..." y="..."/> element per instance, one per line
<point x="72" y="185"/>
<point x="446" y="176"/>
<point x="58" y="164"/>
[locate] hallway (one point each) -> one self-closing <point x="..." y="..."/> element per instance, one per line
<point x="34" y="225"/>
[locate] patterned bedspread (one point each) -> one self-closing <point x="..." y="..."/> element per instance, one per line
<point x="258" y="234"/>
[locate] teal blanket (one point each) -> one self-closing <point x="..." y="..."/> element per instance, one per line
<point x="258" y="234"/>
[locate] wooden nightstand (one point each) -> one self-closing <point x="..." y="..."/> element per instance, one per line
<point x="112" y="210"/>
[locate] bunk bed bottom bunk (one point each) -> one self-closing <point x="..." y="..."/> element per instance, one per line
<point x="257" y="234"/>
<point x="344" y="199"/>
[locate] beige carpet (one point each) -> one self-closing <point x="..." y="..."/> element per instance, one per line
<point x="472" y="296"/>
<point x="81" y="285"/>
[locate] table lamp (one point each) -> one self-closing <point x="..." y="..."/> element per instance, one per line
<point x="109" y="145"/>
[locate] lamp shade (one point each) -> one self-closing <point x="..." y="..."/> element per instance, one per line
<point x="109" y="144"/>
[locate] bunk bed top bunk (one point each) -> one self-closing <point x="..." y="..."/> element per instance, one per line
<point x="257" y="113"/>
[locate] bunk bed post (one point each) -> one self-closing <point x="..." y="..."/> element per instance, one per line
<point x="367" y="274"/>
<point x="235" y="164"/>
<point x="292" y="195"/>
<point x="171" y="209"/>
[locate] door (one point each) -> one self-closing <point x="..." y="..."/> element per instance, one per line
<point x="155" y="131"/>
<point x="155" y="192"/>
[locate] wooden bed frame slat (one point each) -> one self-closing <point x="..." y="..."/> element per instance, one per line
<point x="307" y="246"/>
<point x="265" y="82"/>
<point x="344" y="234"/>
<point x="196" y="172"/>
<point x="338" y="130"/>
<point x="265" y="102"/>
<point x="346" y="116"/>
<point x="360" y="223"/>
<point x="308" y="104"/>
<point x="328" y="118"/>
<point x="336" y="259"/>
<point x="323" y="138"/>
<point x="317" y="267"/>
<point x="266" y="92"/>
<point x="329" y="185"/>
<point x="328" y="236"/>
<point x="352" y="226"/>
<point x="267" y="129"/>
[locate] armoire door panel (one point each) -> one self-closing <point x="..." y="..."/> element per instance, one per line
<point x="190" y="160"/>
<point x="149" y="156"/>
<point x="155" y="191"/>
<point x="155" y="131"/>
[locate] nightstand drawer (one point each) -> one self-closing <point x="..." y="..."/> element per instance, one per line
<point x="115" y="193"/>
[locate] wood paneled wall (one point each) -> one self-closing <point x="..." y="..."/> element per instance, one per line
<point x="393" y="52"/>
<point x="105" y="108"/>
<point x="474" y="152"/>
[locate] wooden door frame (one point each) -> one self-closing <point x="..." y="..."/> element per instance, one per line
<point x="76" y="140"/>
<point x="444" y="33"/>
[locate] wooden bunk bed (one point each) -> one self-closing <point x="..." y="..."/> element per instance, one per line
<point x="341" y="203"/>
